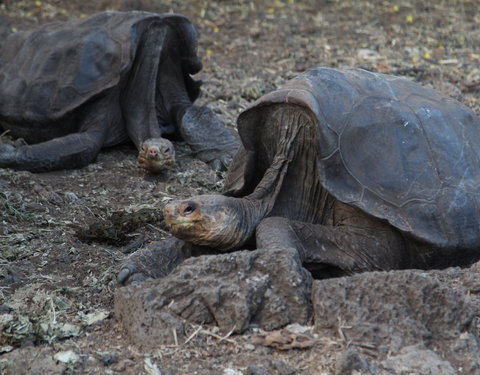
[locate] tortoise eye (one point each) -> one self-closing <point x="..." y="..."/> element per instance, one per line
<point x="190" y="207"/>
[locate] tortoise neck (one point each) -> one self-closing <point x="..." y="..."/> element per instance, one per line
<point x="249" y="213"/>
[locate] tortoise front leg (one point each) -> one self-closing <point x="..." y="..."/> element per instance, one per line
<point x="157" y="260"/>
<point x="70" y="151"/>
<point x="336" y="250"/>
<point x="210" y="140"/>
<point x="139" y="102"/>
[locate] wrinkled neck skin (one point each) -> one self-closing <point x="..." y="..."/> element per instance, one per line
<point x="242" y="224"/>
<point x="250" y="210"/>
<point x="255" y="207"/>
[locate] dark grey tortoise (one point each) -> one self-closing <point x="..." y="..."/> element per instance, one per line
<point x="357" y="171"/>
<point x="69" y="89"/>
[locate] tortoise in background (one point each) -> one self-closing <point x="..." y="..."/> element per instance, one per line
<point x="357" y="171"/>
<point x="70" y="88"/>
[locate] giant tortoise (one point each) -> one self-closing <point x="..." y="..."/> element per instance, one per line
<point x="357" y="171"/>
<point x="70" y="88"/>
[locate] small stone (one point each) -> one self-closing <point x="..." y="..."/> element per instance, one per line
<point x="71" y="197"/>
<point x="109" y="358"/>
<point x="6" y="349"/>
<point x="350" y="361"/>
<point x="231" y="371"/>
<point x="67" y="356"/>
<point x="95" y="317"/>
<point x="298" y="328"/>
<point x="255" y="370"/>
<point x="150" y="367"/>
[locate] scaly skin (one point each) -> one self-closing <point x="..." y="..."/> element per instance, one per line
<point x="216" y="221"/>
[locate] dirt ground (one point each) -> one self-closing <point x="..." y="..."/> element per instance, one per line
<point x="58" y="263"/>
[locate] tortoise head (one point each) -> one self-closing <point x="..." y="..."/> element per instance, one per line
<point x="209" y="220"/>
<point x="156" y="154"/>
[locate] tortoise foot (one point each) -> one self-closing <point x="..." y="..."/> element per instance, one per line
<point x="154" y="261"/>
<point x="7" y="155"/>
<point x="156" y="155"/>
<point x="210" y="140"/>
<point x="221" y="164"/>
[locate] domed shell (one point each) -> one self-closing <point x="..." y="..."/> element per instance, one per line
<point x="394" y="149"/>
<point x="50" y="71"/>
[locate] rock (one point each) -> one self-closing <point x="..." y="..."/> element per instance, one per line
<point x="390" y="310"/>
<point x="231" y="371"/>
<point x="255" y="370"/>
<point x="465" y="353"/>
<point x="350" y="361"/>
<point x="49" y="330"/>
<point x="150" y="367"/>
<point x="94" y="317"/>
<point x="415" y="360"/>
<point x="108" y="358"/>
<point x="67" y="356"/>
<point x="271" y="367"/>
<point x="32" y="360"/>
<point x="264" y="288"/>
<point x="16" y="330"/>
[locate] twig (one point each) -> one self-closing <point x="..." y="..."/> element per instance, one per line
<point x="220" y="338"/>
<point x="175" y="338"/>
<point x="193" y="335"/>
<point x="156" y="228"/>
<point x="5" y="133"/>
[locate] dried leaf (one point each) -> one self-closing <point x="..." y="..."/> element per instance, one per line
<point x="284" y="339"/>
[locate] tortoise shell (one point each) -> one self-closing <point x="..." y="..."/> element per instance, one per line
<point x="388" y="146"/>
<point x="52" y="70"/>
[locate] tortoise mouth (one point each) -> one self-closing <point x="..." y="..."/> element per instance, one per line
<point x="158" y="165"/>
<point x="159" y="158"/>
<point x="180" y="222"/>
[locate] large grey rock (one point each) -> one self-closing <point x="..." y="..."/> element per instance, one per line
<point x="390" y="310"/>
<point x="31" y="360"/>
<point x="464" y="352"/>
<point x="349" y="361"/>
<point x="265" y="288"/>
<point x="416" y="360"/>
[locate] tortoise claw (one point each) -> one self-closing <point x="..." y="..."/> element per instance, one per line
<point x="123" y="275"/>
<point x="217" y="165"/>
<point x="128" y="275"/>
<point x="221" y="164"/>
<point x="210" y="140"/>
<point x="154" y="261"/>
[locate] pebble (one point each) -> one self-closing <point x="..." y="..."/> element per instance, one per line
<point x="109" y="358"/>
<point x="255" y="370"/>
<point x="67" y="356"/>
<point x="231" y="371"/>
